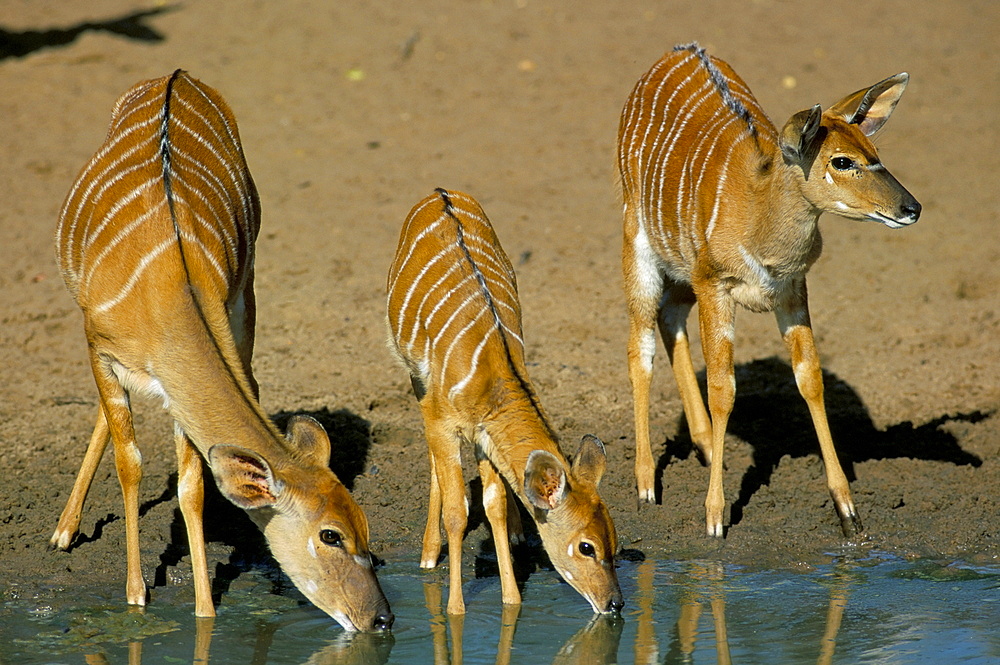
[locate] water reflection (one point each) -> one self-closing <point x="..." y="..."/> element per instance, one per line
<point x="367" y="648"/>
<point x="346" y="649"/>
<point x="202" y="641"/>
<point x="677" y="612"/>
<point x="704" y="583"/>
<point x="596" y="643"/>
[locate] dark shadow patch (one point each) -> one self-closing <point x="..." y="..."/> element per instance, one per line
<point x="526" y="556"/>
<point x="770" y="414"/>
<point x="168" y="494"/>
<point x="224" y="523"/>
<point x="350" y="440"/>
<point x="631" y="554"/>
<point x="17" y="44"/>
<point x="679" y="448"/>
<point x="81" y="539"/>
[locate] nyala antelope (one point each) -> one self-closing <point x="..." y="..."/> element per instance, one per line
<point x="156" y="244"/>
<point x="455" y="322"/>
<point x="721" y="209"/>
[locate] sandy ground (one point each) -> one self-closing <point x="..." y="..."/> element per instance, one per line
<point x="351" y="112"/>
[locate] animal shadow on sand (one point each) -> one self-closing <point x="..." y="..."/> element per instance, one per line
<point x="350" y="438"/>
<point x="17" y="44"/>
<point x="771" y="415"/>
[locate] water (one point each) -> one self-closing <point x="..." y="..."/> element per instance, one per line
<point x="876" y="610"/>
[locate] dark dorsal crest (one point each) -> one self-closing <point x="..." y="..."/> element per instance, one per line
<point x="484" y="288"/>
<point x="721" y="84"/>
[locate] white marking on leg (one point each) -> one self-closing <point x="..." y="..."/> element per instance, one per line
<point x="490" y="495"/>
<point x="647" y="349"/>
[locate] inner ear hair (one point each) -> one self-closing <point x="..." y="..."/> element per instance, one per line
<point x="544" y="480"/>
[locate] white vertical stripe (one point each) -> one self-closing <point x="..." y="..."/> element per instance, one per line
<point x="133" y="279"/>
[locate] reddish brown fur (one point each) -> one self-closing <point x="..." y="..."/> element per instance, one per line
<point x="155" y="242"/>
<point x="722" y="209"/>
<point x="455" y="322"/>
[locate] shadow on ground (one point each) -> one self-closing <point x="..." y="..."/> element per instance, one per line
<point x="17" y="44"/>
<point x="772" y="417"/>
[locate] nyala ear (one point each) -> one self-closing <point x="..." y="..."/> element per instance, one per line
<point x="869" y="108"/>
<point x="798" y="134"/>
<point x="308" y="438"/>
<point x="544" y="480"/>
<point x="243" y="476"/>
<point x="591" y="460"/>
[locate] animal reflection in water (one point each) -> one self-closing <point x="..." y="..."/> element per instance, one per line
<point x="702" y="586"/>
<point x="707" y="583"/>
<point x="348" y="648"/>
<point x="596" y="643"/>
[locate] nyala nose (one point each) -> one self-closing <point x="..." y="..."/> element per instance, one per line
<point x="383" y="621"/>
<point x="911" y="208"/>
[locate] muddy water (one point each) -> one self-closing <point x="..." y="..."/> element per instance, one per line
<point x="874" y="610"/>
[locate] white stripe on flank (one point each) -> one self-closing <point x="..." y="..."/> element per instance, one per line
<point x="399" y="266"/>
<point x="456" y="340"/>
<point x="671" y="138"/>
<point x="123" y="233"/>
<point x="656" y="107"/>
<point x="102" y="180"/>
<point x="223" y="160"/>
<point x="413" y="289"/>
<point x="137" y="273"/>
<point x="432" y="291"/>
<point x="473" y="365"/>
<point x="224" y="229"/>
<point x="470" y="298"/>
<point x="515" y="335"/>
<point x="402" y="266"/>
<point x="189" y="238"/>
<point x="709" y="132"/>
<point x="723" y="173"/>
<point x="113" y="211"/>
<point x="446" y="298"/>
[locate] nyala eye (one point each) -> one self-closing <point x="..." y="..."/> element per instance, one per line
<point x="331" y="538"/>
<point x="586" y="549"/>
<point x="842" y="163"/>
